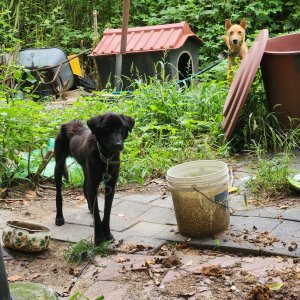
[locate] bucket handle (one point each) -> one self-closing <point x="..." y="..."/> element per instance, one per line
<point x="215" y="202"/>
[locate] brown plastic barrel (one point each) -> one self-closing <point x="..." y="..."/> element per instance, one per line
<point x="281" y="75"/>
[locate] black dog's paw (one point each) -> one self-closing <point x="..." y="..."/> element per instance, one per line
<point x="109" y="237"/>
<point x="99" y="240"/>
<point x="59" y="221"/>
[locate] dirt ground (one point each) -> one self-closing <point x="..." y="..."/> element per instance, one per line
<point x="147" y="280"/>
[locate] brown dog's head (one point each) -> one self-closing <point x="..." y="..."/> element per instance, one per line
<point x="235" y="33"/>
<point x="110" y="130"/>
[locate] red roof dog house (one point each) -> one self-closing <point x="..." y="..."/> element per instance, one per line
<point x="175" y="44"/>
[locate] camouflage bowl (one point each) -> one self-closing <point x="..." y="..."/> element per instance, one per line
<point x="24" y="236"/>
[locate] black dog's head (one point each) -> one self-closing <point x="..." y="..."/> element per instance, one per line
<point x="110" y="130"/>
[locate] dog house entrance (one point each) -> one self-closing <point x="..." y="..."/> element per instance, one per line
<point x="185" y="67"/>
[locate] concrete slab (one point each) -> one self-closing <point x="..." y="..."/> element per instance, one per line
<point x="146" y="229"/>
<point x="130" y="209"/>
<point x="80" y="217"/>
<point x="116" y="201"/>
<point x="170" y="233"/>
<point x="145" y="198"/>
<point x="5" y="215"/>
<point x="292" y="214"/>
<point x="239" y="223"/>
<point x="72" y="233"/>
<point x="237" y="202"/>
<point x="265" y="212"/>
<point x="160" y="215"/>
<point x="288" y="230"/>
<point x="111" y="290"/>
<point x="121" y="223"/>
<point x="146" y="241"/>
<point x="163" y="202"/>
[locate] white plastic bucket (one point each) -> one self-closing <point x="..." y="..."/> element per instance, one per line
<point x="200" y="197"/>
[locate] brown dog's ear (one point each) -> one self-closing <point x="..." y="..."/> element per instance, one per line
<point x="227" y="24"/>
<point x="93" y="123"/>
<point x="129" y="121"/>
<point x="243" y="23"/>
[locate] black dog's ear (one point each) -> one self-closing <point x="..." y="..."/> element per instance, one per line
<point x="129" y="121"/>
<point x="94" y="123"/>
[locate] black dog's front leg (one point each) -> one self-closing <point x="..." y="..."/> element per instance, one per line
<point x="109" y="197"/>
<point x="92" y="186"/>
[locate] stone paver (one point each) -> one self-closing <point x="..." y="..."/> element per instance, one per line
<point x="5" y="215"/>
<point x="266" y="212"/>
<point x="130" y="209"/>
<point x="72" y="232"/>
<point x="163" y="202"/>
<point x="150" y="219"/>
<point x="239" y="223"/>
<point x="145" y="218"/>
<point x="288" y="231"/>
<point x="111" y="289"/>
<point x="160" y="215"/>
<point x="142" y="198"/>
<point x="292" y="214"/>
<point x="147" y="229"/>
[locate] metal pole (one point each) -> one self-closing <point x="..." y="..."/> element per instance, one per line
<point x="4" y="288"/>
<point x="119" y="57"/>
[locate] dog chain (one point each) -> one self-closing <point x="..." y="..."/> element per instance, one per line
<point x="74" y="280"/>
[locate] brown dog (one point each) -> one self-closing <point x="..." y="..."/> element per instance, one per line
<point x="97" y="149"/>
<point x="235" y="41"/>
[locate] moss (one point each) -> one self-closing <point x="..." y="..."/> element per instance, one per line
<point x="31" y="291"/>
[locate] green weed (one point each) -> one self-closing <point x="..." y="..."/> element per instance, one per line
<point x="86" y="251"/>
<point x="79" y="296"/>
<point x="269" y="180"/>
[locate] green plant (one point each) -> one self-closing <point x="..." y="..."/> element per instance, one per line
<point x="79" y="296"/>
<point x="86" y="250"/>
<point x="270" y="178"/>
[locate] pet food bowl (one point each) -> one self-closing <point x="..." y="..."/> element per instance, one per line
<point x="27" y="237"/>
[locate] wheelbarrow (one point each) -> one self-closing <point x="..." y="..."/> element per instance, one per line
<point x="51" y="68"/>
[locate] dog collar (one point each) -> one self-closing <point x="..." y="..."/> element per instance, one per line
<point x="107" y="160"/>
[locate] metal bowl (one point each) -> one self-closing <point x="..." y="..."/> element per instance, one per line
<point x="27" y="237"/>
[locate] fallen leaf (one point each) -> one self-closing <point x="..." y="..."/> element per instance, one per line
<point x="30" y="195"/>
<point x="284" y="207"/>
<point x="275" y="286"/>
<point x="232" y="189"/>
<point x="214" y="270"/>
<point x="260" y="292"/>
<point x="158" y="270"/>
<point x="164" y="248"/>
<point x="190" y="263"/>
<point x="182" y="245"/>
<point x="73" y="271"/>
<point x="293" y="246"/>
<point x="36" y="275"/>
<point x="121" y="259"/>
<point x="298" y="276"/>
<point x="149" y="262"/>
<point x="187" y="295"/>
<point x="14" y="278"/>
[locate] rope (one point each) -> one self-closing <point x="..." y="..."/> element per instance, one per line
<point x="215" y="202"/>
<point x="221" y="56"/>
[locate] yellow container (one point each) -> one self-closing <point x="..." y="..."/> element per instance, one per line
<point x="75" y="65"/>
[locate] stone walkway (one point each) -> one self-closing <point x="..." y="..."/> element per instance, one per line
<point x="147" y="218"/>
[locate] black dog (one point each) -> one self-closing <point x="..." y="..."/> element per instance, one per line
<point x="97" y="149"/>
